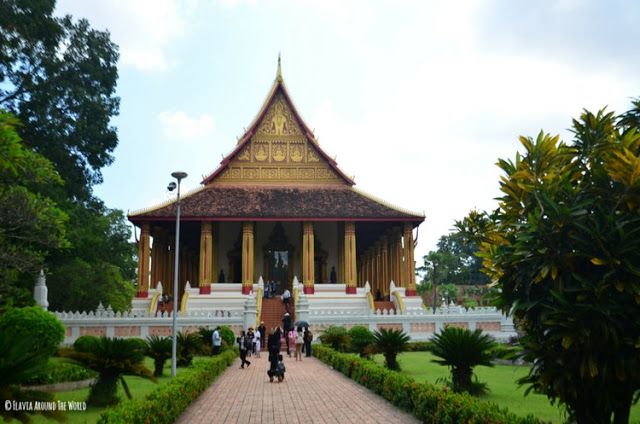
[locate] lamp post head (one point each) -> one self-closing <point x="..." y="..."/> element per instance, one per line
<point x="178" y="175"/>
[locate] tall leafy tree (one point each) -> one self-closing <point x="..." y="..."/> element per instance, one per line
<point x="564" y="248"/>
<point x="59" y="77"/>
<point x="31" y="224"/>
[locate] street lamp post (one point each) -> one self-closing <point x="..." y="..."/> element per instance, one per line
<point x="178" y="176"/>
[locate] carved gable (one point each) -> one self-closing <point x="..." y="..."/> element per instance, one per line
<point x="279" y="151"/>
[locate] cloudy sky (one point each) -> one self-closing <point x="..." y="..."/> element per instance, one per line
<point x="417" y="99"/>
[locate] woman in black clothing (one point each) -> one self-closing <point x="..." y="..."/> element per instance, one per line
<point x="243" y="349"/>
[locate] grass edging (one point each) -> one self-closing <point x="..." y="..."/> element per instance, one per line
<point x="167" y="402"/>
<point x="424" y="401"/>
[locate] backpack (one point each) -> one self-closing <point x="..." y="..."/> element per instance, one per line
<point x="248" y="342"/>
<point x="309" y="337"/>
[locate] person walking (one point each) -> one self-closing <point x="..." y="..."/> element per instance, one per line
<point x="286" y="298"/>
<point x="216" y="340"/>
<point x="308" y="338"/>
<point x="291" y="340"/>
<point x="249" y="336"/>
<point x="263" y="333"/>
<point x="243" y="349"/>
<point x="286" y="325"/>
<point x="256" y="343"/>
<point x="299" y="339"/>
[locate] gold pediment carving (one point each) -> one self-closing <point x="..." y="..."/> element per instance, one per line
<point x="279" y="151"/>
<point x="279" y="119"/>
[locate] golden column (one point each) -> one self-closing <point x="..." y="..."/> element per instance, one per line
<point x="143" y="261"/>
<point x="206" y="257"/>
<point x="308" y="255"/>
<point x="247" y="257"/>
<point x="350" y="271"/>
<point x="409" y="266"/>
<point x="384" y="262"/>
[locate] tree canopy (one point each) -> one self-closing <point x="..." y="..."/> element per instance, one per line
<point x="57" y="81"/>
<point x="31" y="224"/>
<point x="59" y="77"/>
<point x="564" y="250"/>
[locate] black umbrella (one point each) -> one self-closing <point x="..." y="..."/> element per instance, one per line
<point x="304" y="324"/>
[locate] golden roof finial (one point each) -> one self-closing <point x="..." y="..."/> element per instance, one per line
<point x="279" y="74"/>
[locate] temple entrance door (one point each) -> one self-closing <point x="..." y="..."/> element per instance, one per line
<point x="279" y="270"/>
<point x="278" y="260"/>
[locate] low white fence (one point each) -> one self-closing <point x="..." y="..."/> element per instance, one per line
<point x="419" y="324"/>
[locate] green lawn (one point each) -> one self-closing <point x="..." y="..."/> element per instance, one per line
<point x="501" y="380"/>
<point x="139" y="388"/>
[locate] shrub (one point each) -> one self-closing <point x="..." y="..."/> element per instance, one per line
<point x="361" y="339"/>
<point x="189" y="344"/>
<point x="336" y="337"/>
<point x="167" y="402"/>
<point x="390" y="343"/>
<point x="419" y="347"/>
<point x="111" y="359"/>
<point x="227" y="336"/>
<point x="426" y="402"/>
<point x="462" y="350"/>
<point x="18" y="363"/>
<point x="60" y="371"/>
<point x="206" y="339"/>
<point x="42" y="330"/>
<point x="159" y="349"/>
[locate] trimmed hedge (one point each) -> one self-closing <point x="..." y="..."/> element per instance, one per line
<point x="167" y="402"/>
<point x="60" y="371"/>
<point x="425" y="401"/>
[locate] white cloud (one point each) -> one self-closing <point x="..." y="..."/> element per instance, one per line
<point x="180" y="126"/>
<point x="143" y="29"/>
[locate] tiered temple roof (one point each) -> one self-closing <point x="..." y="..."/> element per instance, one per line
<point x="278" y="171"/>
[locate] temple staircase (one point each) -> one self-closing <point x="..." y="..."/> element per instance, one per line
<point x="272" y="312"/>
<point x="384" y="304"/>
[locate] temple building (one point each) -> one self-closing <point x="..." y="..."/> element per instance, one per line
<point x="277" y="210"/>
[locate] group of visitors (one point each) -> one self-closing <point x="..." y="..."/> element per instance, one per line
<point x="270" y="288"/>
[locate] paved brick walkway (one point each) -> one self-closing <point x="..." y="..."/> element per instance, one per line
<point x="310" y="393"/>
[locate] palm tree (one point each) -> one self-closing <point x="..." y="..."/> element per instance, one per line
<point x="462" y="350"/>
<point x="112" y="359"/>
<point x="158" y="349"/>
<point x="18" y="362"/>
<point x="390" y="343"/>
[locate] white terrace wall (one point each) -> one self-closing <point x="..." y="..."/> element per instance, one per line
<point x="128" y="324"/>
<point x="419" y="324"/>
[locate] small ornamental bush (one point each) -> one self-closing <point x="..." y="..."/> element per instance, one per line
<point x="336" y="337"/>
<point x="111" y="359"/>
<point x="159" y="349"/>
<point x="167" y="402"/>
<point x="227" y="336"/>
<point x="59" y="371"/>
<point x="361" y="340"/>
<point x="428" y="403"/>
<point x="189" y="344"/>
<point x="42" y="330"/>
<point x="390" y="343"/>
<point x="461" y="350"/>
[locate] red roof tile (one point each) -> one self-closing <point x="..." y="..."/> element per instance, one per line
<point x="279" y="203"/>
